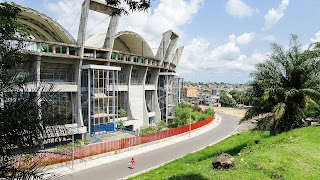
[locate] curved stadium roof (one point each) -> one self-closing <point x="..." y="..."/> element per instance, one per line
<point x="125" y="41"/>
<point x="43" y="27"/>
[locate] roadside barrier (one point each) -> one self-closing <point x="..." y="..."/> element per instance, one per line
<point x="100" y="148"/>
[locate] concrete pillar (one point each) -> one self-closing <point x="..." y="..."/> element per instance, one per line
<point x="111" y="34"/>
<point x="167" y="97"/>
<point x="163" y="45"/>
<point x="67" y="50"/>
<point x="157" y="117"/>
<point x="177" y="56"/>
<point x="77" y="71"/>
<point x="37" y="64"/>
<point x="83" y="25"/>
<point x="145" y="111"/>
<point x="94" y="53"/>
<point x="170" y="51"/>
<point x="53" y="49"/>
<point x="129" y="114"/>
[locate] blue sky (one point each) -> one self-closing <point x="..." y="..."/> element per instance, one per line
<point x="223" y="39"/>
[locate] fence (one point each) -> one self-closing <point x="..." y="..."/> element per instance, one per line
<point x="95" y="149"/>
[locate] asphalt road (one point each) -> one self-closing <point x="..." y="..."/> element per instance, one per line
<point x="119" y="169"/>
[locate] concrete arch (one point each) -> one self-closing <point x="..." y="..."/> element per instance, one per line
<point x="125" y="41"/>
<point x="42" y="27"/>
<point x="131" y="42"/>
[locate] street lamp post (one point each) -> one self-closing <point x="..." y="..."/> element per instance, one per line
<point x="190" y="119"/>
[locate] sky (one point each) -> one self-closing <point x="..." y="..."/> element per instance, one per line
<point x="222" y="39"/>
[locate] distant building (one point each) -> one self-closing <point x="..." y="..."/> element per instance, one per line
<point x="190" y="92"/>
<point x="214" y="92"/>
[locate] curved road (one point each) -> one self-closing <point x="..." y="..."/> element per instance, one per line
<point x="119" y="169"/>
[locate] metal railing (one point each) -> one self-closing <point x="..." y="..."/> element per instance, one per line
<point x="56" y="48"/>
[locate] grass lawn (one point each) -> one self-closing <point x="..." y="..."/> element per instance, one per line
<point x="290" y="155"/>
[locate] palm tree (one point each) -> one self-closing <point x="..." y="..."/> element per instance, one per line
<point x="281" y="85"/>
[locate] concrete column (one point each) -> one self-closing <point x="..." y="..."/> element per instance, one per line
<point x="177" y="56"/>
<point x="170" y="51"/>
<point x="53" y="49"/>
<point x="129" y="114"/>
<point x="163" y="45"/>
<point x="167" y="97"/>
<point x="37" y="64"/>
<point x="37" y="70"/>
<point x="145" y="111"/>
<point x="111" y="34"/>
<point x="94" y="53"/>
<point x="83" y="25"/>
<point x="67" y="50"/>
<point x="78" y="97"/>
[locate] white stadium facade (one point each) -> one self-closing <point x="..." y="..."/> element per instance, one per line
<point x="98" y="75"/>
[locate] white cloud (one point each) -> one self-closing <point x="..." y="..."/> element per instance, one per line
<point x="149" y="25"/>
<point x="245" y="38"/>
<point x="269" y="38"/>
<point x="274" y="15"/>
<point x="317" y="37"/>
<point x="226" y="52"/>
<point x="198" y="56"/>
<point x="239" y="9"/>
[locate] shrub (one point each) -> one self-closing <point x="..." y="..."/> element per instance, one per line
<point x="121" y="125"/>
<point x="122" y="113"/>
<point x="77" y="143"/>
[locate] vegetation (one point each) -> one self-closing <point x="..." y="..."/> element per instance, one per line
<point x="160" y="126"/>
<point x="140" y="5"/>
<point x="21" y="121"/>
<point x="121" y="125"/>
<point x="226" y="101"/>
<point x="122" y="113"/>
<point x="290" y="155"/>
<point x="77" y="143"/>
<point x="182" y="115"/>
<point x="312" y="109"/>
<point x="281" y="86"/>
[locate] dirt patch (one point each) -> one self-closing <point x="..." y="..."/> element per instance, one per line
<point x="239" y="113"/>
<point x="232" y="111"/>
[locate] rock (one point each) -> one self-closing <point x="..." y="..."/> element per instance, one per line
<point x="274" y="175"/>
<point x="223" y="161"/>
<point x="257" y="141"/>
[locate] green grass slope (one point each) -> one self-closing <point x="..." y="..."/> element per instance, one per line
<point x="290" y="155"/>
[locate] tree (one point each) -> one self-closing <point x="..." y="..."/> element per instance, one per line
<point x="281" y="85"/>
<point x="235" y="95"/>
<point x="21" y="121"/>
<point x="225" y="100"/>
<point x="124" y="6"/>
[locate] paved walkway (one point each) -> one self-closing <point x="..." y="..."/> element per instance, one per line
<point x="153" y="156"/>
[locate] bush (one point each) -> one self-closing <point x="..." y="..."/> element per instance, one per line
<point x="122" y="113"/>
<point x="121" y="125"/>
<point x="153" y="128"/>
<point x="77" y="143"/>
